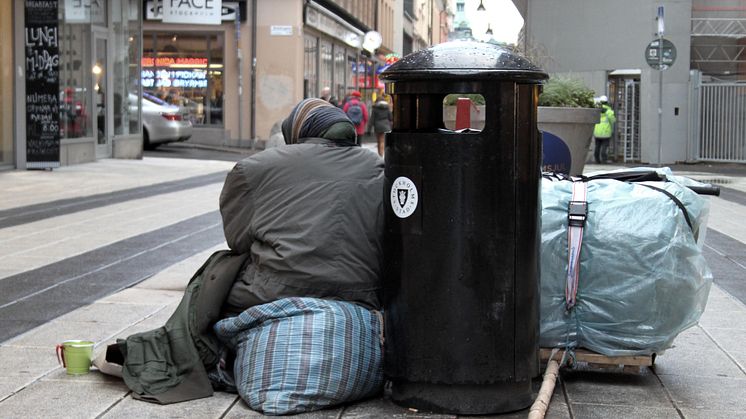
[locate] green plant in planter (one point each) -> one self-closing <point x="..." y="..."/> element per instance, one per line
<point x="566" y="92"/>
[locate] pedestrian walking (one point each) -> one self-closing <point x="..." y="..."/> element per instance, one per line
<point x="357" y="112"/>
<point x="380" y="121"/>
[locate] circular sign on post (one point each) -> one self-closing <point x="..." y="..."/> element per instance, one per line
<point x="660" y="55"/>
<point x="404" y="197"/>
<point x="371" y="41"/>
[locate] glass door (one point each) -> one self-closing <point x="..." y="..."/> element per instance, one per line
<point x="6" y="84"/>
<point x="103" y="128"/>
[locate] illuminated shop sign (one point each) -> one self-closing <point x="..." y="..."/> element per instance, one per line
<point x="174" y="62"/>
<point x="174" y="78"/>
<point x="228" y="10"/>
<point x="85" y="11"/>
<point x="204" y="12"/>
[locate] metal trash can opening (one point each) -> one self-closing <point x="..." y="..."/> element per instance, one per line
<point x="461" y="274"/>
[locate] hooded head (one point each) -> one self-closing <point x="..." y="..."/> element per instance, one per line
<point x="316" y="118"/>
<point x="356" y="94"/>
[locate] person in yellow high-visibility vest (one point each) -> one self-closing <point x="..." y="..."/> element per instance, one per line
<point x="603" y="131"/>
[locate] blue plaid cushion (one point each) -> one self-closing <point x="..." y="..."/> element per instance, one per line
<point x="302" y="354"/>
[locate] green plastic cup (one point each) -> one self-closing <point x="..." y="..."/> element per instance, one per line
<point x="75" y="355"/>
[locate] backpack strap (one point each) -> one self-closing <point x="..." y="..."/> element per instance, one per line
<point x="577" y="213"/>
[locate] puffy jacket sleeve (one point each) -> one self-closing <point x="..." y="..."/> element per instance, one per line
<point x="611" y="116"/>
<point x="237" y="205"/>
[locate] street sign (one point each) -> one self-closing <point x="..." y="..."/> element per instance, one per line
<point x="654" y="51"/>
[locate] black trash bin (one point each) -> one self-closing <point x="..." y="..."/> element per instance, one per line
<point x="462" y="232"/>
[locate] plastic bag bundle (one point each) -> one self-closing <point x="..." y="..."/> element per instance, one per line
<point x="302" y="354"/>
<point x="643" y="278"/>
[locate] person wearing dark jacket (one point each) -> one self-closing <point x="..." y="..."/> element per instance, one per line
<point x="380" y="119"/>
<point x="302" y="220"/>
<point x="310" y="214"/>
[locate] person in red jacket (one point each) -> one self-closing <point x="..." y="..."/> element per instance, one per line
<point x="357" y="112"/>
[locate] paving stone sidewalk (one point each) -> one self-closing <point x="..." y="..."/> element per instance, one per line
<point x="702" y="376"/>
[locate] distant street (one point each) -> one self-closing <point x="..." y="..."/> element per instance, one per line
<point x="187" y="151"/>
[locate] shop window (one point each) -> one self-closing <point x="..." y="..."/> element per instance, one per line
<point x="186" y="69"/>
<point x="75" y="79"/>
<point x="339" y="73"/>
<point x="310" y="79"/>
<point x="126" y="83"/>
<point x="352" y="74"/>
<point x="365" y="76"/>
<point x="326" y="65"/>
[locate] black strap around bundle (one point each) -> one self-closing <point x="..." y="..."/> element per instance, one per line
<point x="633" y="177"/>
<point x="675" y="201"/>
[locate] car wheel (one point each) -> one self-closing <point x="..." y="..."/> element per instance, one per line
<point x="146" y="141"/>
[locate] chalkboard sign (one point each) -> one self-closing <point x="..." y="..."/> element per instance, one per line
<point x="42" y="85"/>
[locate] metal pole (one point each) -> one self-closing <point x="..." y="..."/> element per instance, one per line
<point x="240" y="75"/>
<point x="660" y="98"/>
<point x="252" y="111"/>
<point x="661" y="26"/>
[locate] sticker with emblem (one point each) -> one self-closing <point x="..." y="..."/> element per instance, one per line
<point x="404" y="197"/>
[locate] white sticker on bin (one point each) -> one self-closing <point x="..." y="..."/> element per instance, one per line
<point x="404" y="197"/>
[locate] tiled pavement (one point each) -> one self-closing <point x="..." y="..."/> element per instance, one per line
<point x="703" y="376"/>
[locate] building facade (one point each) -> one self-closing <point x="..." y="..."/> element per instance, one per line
<point x="265" y="59"/>
<point x="421" y="24"/>
<point x="692" y="110"/>
<point x="69" y="82"/>
<point x="235" y="75"/>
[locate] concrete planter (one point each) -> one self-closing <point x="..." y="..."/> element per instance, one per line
<point x="575" y="127"/>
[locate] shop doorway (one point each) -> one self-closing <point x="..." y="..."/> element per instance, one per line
<point x="102" y="98"/>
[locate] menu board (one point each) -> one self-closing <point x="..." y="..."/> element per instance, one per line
<point x="42" y="85"/>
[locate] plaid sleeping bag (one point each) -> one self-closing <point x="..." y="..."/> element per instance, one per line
<point x="302" y="354"/>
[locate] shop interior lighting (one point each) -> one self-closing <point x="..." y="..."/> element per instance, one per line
<point x="489" y="29"/>
<point x="195" y="66"/>
<point x="173" y="39"/>
<point x="481" y="7"/>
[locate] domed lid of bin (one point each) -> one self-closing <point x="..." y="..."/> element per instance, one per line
<point x="464" y="60"/>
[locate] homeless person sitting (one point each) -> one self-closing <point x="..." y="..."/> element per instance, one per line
<point x="304" y="223"/>
<point x="310" y="214"/>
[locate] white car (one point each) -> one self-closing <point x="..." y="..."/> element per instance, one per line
<point x="161" y="122"/>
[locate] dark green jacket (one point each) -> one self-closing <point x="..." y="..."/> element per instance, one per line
<point x="311" y="216"/>
<point x="168" y="364"/>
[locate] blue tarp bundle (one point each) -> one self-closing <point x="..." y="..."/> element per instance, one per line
<point x="643" y="278"/>
<point x="302" y="354"/>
